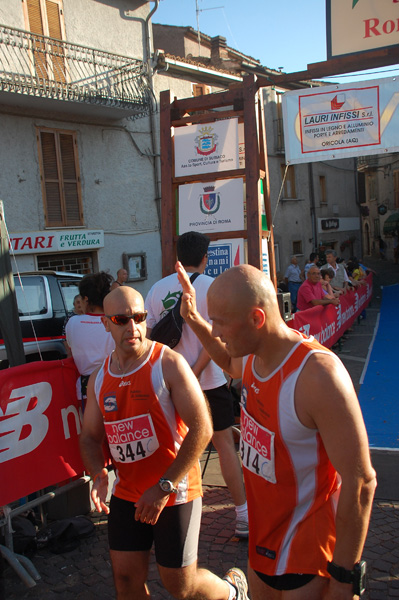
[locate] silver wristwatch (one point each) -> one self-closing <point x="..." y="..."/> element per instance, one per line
<point x="167" y="486"/>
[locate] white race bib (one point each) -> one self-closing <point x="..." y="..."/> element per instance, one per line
<point x="257" y="448"/>
<point x="131" y="439"/>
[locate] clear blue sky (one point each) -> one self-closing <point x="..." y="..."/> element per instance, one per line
<point x="280" y="33"/>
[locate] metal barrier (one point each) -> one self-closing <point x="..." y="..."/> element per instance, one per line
<point x="21" y="564"/>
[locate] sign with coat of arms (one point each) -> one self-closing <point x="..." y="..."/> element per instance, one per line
<point x="214" y="206"/>
<point x="206" y="148"/>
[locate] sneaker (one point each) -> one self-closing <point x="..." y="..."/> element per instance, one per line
<point x="241" y="529"/>
<point x="236" y="578"/>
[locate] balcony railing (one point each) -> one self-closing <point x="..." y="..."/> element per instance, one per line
<point x="40" y="66"/>
<point x="364" y="163"/>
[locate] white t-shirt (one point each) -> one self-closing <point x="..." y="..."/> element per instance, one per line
<point x="89" y="342"/>
<point x="160" y="299"/>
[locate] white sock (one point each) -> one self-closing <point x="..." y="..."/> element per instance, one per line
<point x="232" y="591"/>
<point x="242" y="512"/>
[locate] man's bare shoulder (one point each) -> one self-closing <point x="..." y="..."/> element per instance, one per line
<point x="324" y="385"/>
<point x="173" y="361"/>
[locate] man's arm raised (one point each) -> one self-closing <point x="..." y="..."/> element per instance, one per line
<point x="203" y="330"/>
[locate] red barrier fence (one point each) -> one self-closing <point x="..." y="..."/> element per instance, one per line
<point x="328" y="323"/>
<point x="40" y="423"/>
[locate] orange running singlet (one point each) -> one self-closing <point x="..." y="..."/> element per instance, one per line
<point x="143" y="429"/>
<point x="291" y="486"/>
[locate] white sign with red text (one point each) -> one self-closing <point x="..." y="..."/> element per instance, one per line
<point x="341" y="121"/>
<point x="360" y="25"/>
<point x="34" y="242"/>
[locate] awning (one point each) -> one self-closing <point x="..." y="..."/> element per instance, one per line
<point x="391" y="224"/>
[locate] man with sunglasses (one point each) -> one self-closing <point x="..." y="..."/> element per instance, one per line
<point x="192" y="252"/>
<point x="146" y="403"/>
<point x="307" y="469"/>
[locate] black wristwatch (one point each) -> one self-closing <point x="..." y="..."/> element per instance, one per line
<point x="357" y="576"/>
<point x="167" y="486"/>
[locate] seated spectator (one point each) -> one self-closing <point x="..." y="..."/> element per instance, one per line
<point x="355" y="271"/>
<point x="313" y="260"/>
<point x="340" y="282"/>
<point x="311" y="292"/>
<point x="326" y="276"/>
<point x="86" y="336"/>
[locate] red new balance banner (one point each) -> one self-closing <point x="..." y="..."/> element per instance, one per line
<point x="40" y="423"/>
<point x="328" y="323"/>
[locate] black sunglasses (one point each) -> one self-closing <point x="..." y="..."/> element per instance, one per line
<point x="138" y="317"/>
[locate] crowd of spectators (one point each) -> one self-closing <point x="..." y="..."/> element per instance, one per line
<point x="321" y="284"/>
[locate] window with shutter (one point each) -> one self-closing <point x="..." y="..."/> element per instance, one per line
<point x="200" y="89"/>
<point x="396" y="188"/>
<point x="289" y="183"/>
<point x="60" y="178"/>
<point x="44" y="17"/>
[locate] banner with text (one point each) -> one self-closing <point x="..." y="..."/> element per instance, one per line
<point x="359" y="25"/>
<point x="341" y="121"/>
<point x="223" y="254"/>
<point x="40" y="423"/>
<point x="328" y="323"/>
<point x="206" y="148"/>
<point x="215" y="206"/>
<point x="56" y="241"/>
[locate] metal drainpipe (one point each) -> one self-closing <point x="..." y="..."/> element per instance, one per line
<point x="155" y="149"/>
<point x="312" y="208"/>
<point x="358" y="204"/>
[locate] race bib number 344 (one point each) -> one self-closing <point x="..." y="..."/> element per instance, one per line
<point x="131" y="439"/>
<point x="257" y="448"/>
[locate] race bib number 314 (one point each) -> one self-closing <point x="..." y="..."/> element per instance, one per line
<point x="257" y="448"/>
<point x="131" y="439"/>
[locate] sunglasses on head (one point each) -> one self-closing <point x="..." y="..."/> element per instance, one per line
<point x="138" y="317"/>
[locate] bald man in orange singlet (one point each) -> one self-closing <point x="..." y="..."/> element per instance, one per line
<point x="304" y="448"/>
<point x="147" y="404"/>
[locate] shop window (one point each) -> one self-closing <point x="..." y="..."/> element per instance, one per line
<point x="66" y="263"/>
<point x="59" y="168"/>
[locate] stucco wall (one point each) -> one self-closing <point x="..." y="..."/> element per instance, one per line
<point x="115" y="27"/>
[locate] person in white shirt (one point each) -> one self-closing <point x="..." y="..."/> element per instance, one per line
<point x="86" y="336"/>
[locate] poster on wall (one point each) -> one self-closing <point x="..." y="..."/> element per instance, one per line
<point x="224" y="254"/>
<point x="341" y="121"/>
<point x="212" y="206"/>
<point x="206" y="148"/>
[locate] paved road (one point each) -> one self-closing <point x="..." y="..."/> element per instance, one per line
<point x="85" y="573"/>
